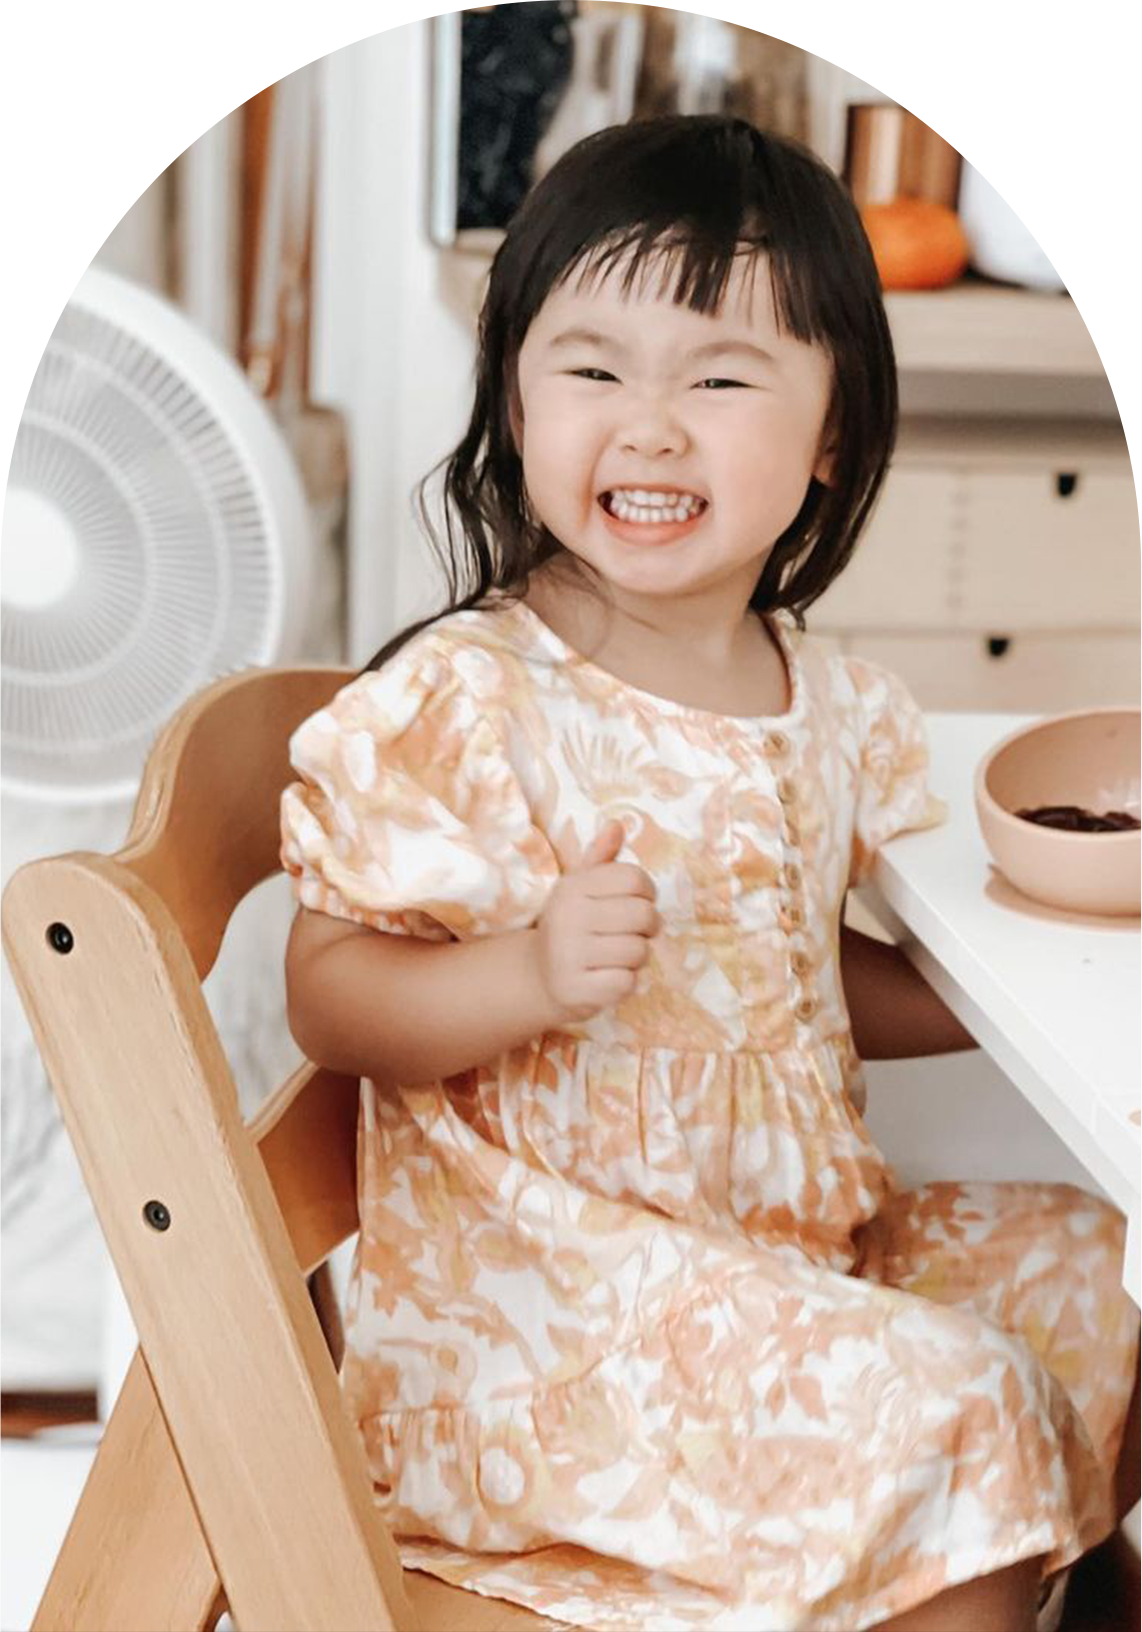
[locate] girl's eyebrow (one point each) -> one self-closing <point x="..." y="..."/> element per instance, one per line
<point x="583" y="337"/>
<point x="711" y="348"/>
<point x="726" y="348"/>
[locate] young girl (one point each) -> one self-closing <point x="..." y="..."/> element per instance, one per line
<point x="643" y="1333"/>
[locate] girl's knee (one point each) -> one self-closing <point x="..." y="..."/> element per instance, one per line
<point x="1003" y="1385"/>
<point x="1005" y="1600"/>
<point x="1089" y="1212"/>
<point x="1095" y="1229"/>
<point x="1072" y="1221"/>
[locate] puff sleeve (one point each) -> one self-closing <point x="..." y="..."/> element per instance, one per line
<point x="408" y="816"/>
<point x="892" y="794"/>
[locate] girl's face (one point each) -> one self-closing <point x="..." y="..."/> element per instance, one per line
<point x="666" y="448"/>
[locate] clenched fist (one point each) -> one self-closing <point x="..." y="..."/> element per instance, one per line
<point x="595" y="929"/>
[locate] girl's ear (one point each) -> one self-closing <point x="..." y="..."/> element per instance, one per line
<point x="826" y="454"/>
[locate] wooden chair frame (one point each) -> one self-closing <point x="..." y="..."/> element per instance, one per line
<point x="229" y="1475"/>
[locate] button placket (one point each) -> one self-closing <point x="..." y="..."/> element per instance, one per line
<point x="792" y="912"/>
<point x="802" y="967"/>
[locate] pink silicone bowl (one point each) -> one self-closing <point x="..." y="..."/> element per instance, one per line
<point x="1088" y="758"/>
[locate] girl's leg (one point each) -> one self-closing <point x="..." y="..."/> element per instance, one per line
<point x="1042" y="1261"/>
<point x="1002" y="1602"/>
<point x="1126" y="1473"/>
<point x="1034" y="1259"/>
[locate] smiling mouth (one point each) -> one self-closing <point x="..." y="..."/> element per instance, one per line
<point x="651" y="506"/>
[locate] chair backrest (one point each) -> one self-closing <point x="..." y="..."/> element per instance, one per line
<point x="204" y="833"/>
<point x="205" y="827"/>
<point x="108" y="954"/>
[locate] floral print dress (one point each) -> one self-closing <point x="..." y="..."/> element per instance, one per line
<point x="643" y="1333"/>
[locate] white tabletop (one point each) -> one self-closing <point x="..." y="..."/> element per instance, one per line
<point x="1052" y="996"/>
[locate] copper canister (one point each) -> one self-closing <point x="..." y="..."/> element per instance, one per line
<point x="889" y="153"/>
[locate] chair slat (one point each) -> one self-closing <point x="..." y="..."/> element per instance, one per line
<point x="205" y="829"/>
<point x="306" y="1135"/>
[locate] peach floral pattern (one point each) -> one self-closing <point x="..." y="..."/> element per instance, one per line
<point x="643" y="1332"/>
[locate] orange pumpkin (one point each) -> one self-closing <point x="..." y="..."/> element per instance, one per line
<point x="917" y="244"/>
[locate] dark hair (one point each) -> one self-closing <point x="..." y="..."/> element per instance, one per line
<point x="689" y="192"/>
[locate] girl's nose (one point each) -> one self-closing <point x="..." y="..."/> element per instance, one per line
<point x="652" y="432"/>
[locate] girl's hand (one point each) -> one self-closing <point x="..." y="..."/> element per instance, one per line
<point x="595" y="929"/>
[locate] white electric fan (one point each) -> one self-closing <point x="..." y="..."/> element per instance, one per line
<point x="155" y="536"/>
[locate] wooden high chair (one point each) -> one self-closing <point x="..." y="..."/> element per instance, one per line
<point x="229" y="1475"/>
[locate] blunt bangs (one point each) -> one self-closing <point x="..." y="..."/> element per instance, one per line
<point x="682" y="200"/>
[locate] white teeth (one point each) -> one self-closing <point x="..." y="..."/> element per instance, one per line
<point x="640" y="505"/>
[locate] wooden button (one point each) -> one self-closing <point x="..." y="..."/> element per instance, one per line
<point x="802" y="963"/>
<point x="792" y="916"/>
<point x="806" y="1009"/>
<point x="792" y="875"/>
<point x="787" y="790"/>
<point x="777" y="742"/>
<point x="792" y="832"/>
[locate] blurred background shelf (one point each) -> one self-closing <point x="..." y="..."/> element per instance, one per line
<point x="982" y="327"/>
<point x="972" y="327"/>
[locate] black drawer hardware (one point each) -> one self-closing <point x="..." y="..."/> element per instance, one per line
<point x="997" y="645"/>
<point x="1066" y="483"/>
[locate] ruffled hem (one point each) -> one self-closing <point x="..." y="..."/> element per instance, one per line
<point x="610" y="1596"/>
<point x="627" y="1496"/>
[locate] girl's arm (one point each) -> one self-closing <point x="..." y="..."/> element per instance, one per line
<point x="894" y="1013"/>
<point x="403" y="1010"/>
<point x="399" y="1009"/>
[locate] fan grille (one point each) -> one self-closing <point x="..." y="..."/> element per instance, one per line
<point x="175" y="580"/>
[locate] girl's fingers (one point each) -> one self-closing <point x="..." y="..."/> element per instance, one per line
<point x="604" y="846"/>
<point x="607" y="986"/>
<point x="616" y="951"/>
<point x="620" y="878"/>
<point x="624" y="915"/>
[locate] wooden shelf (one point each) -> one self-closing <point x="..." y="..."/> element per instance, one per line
<point x="972" y="327"/>
<point x="1006" y="443"/>
<point x="976" y="327"/>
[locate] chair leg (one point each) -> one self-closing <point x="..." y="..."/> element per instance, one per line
<point x="134" y="1556"/>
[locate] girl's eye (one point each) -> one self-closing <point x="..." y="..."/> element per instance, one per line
<point x="591" y="374"/>
<point x="717" y="384"/>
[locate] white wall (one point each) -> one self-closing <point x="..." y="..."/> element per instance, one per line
<point x="393" y="343"/>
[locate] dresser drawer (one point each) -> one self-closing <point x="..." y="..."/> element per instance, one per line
<point x="901" y="571"/>
<point x="977" y="541"/>
<point x="1045" y="550"/>
<point x="1032" y="674"/>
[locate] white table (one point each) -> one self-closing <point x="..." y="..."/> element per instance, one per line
<point x="1052" y="997"/>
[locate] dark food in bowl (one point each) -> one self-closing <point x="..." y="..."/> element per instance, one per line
<point x="1074" y="819"/>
